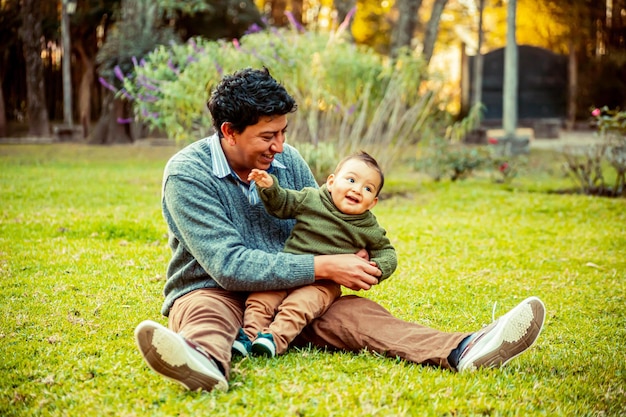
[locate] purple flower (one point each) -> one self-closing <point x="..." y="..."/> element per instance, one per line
<point x="171" y="65"/>
<point x="118" y="73"/>
<point x="134" y="58"/>
<point x="253" y="28"/>
<point x="106" y="85"/>
<point x="143" y="81"/>
<point x="219" y="68"/>
<point x="126" y="94"/>
<point x="346" y="21"/>
<point x="124" y="121"/>
<point x="146" y="114"/>
<point x="294" y="22"/>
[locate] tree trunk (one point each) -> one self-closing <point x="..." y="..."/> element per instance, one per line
<point x="572" y="86"/>
<point x="296" y="9"/>
<point x="407" y="21"/>
<point x="432" y="30"/>
<point x="3" y="110"/>
<point x="478" y="59"/>
<point x="509" y="99"/>
<point x="31" y="34"/>
<point x="85" y="88"/>
<point x="278" y="13"/>
<point x="108" y="130"/>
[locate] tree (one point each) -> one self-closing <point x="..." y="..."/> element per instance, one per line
<point x="372" y="26"/>
<point x="278" y="17"/>
<point x="31" y="33"/>
<point x="91" y="18"/>
<point x="407" y="21"/>
<point x="9" y="25"/>
<point x="134" y="35"/>
<point x="432" y="29"/>
<point x="228" y="19"/>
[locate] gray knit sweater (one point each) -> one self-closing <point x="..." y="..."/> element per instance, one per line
<point x="217" y="238"/>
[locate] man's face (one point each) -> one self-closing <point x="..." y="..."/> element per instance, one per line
<point x="256" y="146"/>
<point x="354" y="187"/>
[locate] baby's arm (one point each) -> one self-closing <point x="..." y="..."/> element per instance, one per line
<point x="262" y="178"/>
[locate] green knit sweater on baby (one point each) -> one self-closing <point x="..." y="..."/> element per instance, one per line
<point x="321" y="229"/>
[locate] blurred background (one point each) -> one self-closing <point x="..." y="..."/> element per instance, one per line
<point x="70" y="65"/>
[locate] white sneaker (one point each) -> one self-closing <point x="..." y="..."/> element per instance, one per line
<point x="264" y="345"/>
<point x="178" y="359"/>
<point x="505" y="338"/>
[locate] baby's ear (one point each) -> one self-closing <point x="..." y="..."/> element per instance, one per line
<point x="330" y="181"/>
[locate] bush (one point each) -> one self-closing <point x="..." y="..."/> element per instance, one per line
<point x="347" y="95"/>
<point x="588" y="166"/>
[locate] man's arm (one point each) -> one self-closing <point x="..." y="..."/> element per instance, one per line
<point x="355" y="272"/>
<point x="197" y="215"/>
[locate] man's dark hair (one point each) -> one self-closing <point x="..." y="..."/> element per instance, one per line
<point x="243" y="97"/>
<point x="369" y="161"/>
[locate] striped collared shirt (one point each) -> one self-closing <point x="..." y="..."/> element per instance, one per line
<point x="222" y="169"/>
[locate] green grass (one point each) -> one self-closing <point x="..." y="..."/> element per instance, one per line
<point x="83" y="254"/>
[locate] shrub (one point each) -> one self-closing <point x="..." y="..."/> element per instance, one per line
<point x="588" y="165"/>
<point x="347" y="95"/>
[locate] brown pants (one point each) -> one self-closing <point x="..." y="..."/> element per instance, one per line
<point x="212" y="317"/>
<point x="283" y="314"/>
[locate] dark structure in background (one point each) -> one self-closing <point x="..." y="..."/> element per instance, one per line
<point x="542" y="89"/>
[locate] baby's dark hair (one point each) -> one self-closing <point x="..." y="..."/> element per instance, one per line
<point x="243" y="97"/>
<point x="369" y="160"/>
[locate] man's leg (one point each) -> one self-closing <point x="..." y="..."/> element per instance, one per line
<point x="354" y="323"/>
<point x="211" y="318"/>
<point x="195" y="351"/>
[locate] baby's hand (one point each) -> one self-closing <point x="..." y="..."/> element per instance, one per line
<point x="262" y="178"/>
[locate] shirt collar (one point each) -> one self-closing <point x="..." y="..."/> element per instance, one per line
<point x="221" y="168"/>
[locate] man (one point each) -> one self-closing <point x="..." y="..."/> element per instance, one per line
<point x="224" y="245"/>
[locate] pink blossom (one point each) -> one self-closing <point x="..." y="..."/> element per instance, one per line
<point x="596" y="112"/>
<point x="493" y="141"/>
<point x="504" y="167"/>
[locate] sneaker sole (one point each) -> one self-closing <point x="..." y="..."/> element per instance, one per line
<point x="239" y="349"/>
<point x="513" y="333"/>
<point x="263" y="347"/>
<point x="168" y="354"/>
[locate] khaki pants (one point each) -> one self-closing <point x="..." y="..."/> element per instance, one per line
<point x="283" y="314"/>
<point x="212" y="317"/>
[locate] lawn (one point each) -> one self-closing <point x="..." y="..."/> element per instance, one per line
<point x="83" y="254"/>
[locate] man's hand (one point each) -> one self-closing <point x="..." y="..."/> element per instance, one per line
<point x="261" y="178"/>
<point x="355" y="272"/>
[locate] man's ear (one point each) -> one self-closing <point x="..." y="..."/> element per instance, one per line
<point x="330" y="181"/>
<point x="228" y="132"/>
